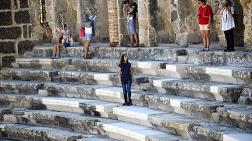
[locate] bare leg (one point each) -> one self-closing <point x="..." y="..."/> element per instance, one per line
<point x="207" y="36"/>
<point x="54" y="50"/>
<point x="58" y="51"/>
<point x="203" y="38"/>
<point x="86" y="48"/>
<point x="132" y="39"/>
<point x="136" y="38"/>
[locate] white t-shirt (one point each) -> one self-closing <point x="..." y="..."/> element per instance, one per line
<point x="88" y="30"/>
<point x="227" y="20"/>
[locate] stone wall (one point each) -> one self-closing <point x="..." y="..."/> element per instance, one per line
<point x="17" y="25"/>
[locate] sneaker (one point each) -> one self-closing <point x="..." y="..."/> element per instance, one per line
<point x="203" y="49"/>
<point x="232" y="50"/>
<point x="226" y="50"/>
<point x="130" y="104"/>
<point x="124" y="104"/>
<point x="56" y="57"/>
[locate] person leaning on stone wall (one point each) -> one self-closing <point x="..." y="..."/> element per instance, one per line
<point x="65" y="40"/>
<point x="205" y="15"/>
<point x="226" y="11"/>
<point x="130" y="9"/>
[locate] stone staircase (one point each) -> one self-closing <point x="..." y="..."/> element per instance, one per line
<point x="179" y="94"/>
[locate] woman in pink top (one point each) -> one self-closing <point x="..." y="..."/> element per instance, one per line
<point x="205" y="17"/>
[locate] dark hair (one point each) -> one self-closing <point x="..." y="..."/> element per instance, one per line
<point x="65" y="25"/>
<point x="203" y="1"/>
<point x="229" y="2"/>
<point x="122" y="59"/>
<point x="125" y="1"/>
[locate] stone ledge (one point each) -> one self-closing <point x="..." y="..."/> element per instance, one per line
<point x="16" y="131"/>
<point x="211" y="91"/>
<point x="235" y="75"/>
<point x="20" y="86"/>
<point x="28" y="74"/>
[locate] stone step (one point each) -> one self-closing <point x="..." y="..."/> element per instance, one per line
<point x="169" y="103"/>
<point x="234" y="75"/>
<point x="103" y="51"/>
<point x="28" y="74"/>
<point x="177" y="70"/>
<point x="81" y="123"/>
<point x="92" y="107"/>
<point x="32" y="133"/>
<point x="131" y="132"/>
<point x="92" y="65"/>
<point x="246" y="97"/>
<point x="134" y="114"/>
<point x="7" y="86"/>
<point x="211" y="91"/>
<point x="42" y="63"/>
<point x="111" y="65"/>
<point x="219" y="58"/>
<point x="107" y="79"/>
<point x="113" y="94"/>
<point x="72" y="90"/>
<point x="178" y="124"/>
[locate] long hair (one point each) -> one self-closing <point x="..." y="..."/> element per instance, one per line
<point x="122" y="59"/>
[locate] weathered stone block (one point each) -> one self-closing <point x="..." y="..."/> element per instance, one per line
<point x="6" y="18"/>
<point x="10" y="32"/>
<point x="7" y="60"/>
<point x="5" y="4"/>
<point x="24" y="46"/>
<point x="24" y="3"/>
<point x="7" y="47"/>
<point x="22" y="17"/>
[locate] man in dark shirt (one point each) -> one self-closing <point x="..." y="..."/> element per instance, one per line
<point x="130" y="8"/>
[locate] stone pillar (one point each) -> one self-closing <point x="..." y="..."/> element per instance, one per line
<point x="245" y="13"/>
<point x="164" y="28"/>
<point x="147" y="22"/>
<point x="113" y="20"/>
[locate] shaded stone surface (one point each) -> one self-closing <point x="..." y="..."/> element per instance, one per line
<point x="5" y="4"/>
<point x="22" y="17"/>
<point x="6" y="18"/>
<point x="24" y="46"/>
<point x="7" y="60"/>
<point x="7" y="47"/>
<point x="10" y="32"/>
<point x="24" y="3"/>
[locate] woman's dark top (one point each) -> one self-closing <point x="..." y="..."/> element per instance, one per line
<point x="125" y="69"/>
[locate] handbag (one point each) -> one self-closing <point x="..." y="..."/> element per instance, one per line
<point x="82" y="32"/>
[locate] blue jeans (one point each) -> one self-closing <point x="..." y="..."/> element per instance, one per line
<point x="126" y="85"/>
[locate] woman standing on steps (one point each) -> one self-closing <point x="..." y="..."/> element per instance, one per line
<point x="89" y="33"/>
<point x="126" y="79"/>
<point x="205" y="15"/>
